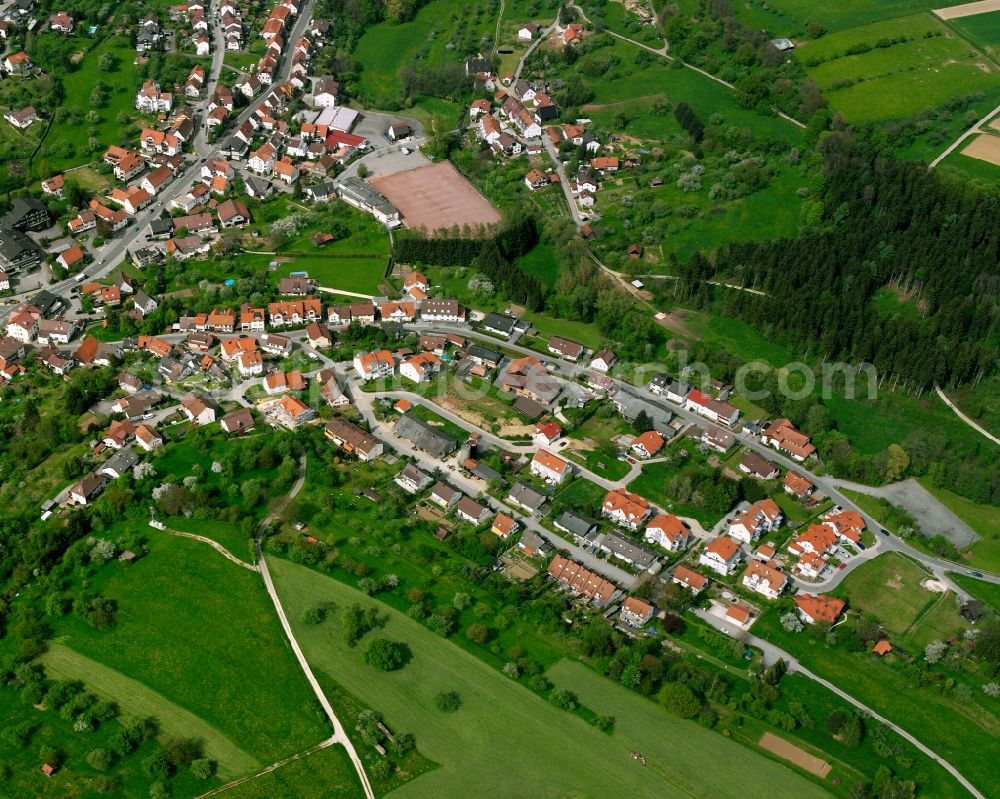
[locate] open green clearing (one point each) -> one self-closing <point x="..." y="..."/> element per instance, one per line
<point x="225" y="533"/>
<point x="201" y="632"/>
<point x="835" y="45"/>
<point x="625" y="82"/>
<point x="431" y="37"/>
<point x="548" y="746"/>
<point x="540" y="262"/>
<point x="652" y="484"/>
<point x="139" y="701"/>
<point x="356" y="261"/>
<point x="66" y="142"/>
<point x="360" y="275"/>
<point x="874" y="424"/>
<point x="682" y="751"/>
<point x="737" y="338"/>
<point x="325" y="774"/>
<point x="889" y="588"/>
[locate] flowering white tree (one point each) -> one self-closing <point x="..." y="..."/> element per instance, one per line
<point x="934" y="651"/>
<point x="792" y="623"/>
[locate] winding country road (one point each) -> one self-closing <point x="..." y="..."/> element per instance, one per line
<point x="339" y="735"/>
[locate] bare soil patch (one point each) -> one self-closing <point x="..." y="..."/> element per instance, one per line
<point x="793" y="754"/>
<point x="984" y="147"/>
<point x="676" y="321"/>
<point x="967" y="9"/>
<point x="436" y="197"/>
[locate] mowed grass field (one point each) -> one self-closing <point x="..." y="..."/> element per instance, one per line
<point x="899" y="80"/>
<point x="674" y="749"/>
<point x="506" y="739"/>
<point x="201" y="633"/>
<point x="136" y="700"/>
<point x="888" y="587"/>
<point x="361" y="275"/>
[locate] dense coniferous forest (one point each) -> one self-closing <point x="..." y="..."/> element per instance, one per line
<point x="887" y="224"/>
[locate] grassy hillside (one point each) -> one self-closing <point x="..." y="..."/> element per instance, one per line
<point x="546" y="752"/>
<point x="200" y="633"/>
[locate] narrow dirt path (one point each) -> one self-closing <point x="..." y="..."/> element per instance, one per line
<point x="339" y="734"/>
<point x="267" y="769"/>
<point x="214" y="545"/>
<point x="964" y="418"/>
<point x="496" y="36"/>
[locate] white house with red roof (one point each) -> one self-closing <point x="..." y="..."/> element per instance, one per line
<point x="648" y="444"/>
<point x="667" y="531"/>
<point x="626" y="509"/>
<point x="372" y="365"/>
<point x="760" y="518"/>
<point x="546" y="433"/>
<point x="721" y="555"/>
<point x="549" y="467"/>
<point x="767" y="579"/>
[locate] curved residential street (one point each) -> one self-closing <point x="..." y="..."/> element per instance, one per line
<point x="938" y="566"/>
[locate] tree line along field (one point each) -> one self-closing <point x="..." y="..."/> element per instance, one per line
<point x="897" y="68"/>
<point x="838" y="16"/>
<point x="542" y="746"/>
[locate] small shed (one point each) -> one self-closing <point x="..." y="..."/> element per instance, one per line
<point x="882" y="648"/>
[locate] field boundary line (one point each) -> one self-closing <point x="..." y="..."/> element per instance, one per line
<point x="268" y="769"/>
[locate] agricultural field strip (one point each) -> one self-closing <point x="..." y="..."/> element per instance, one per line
<point x="968" y="9"/>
